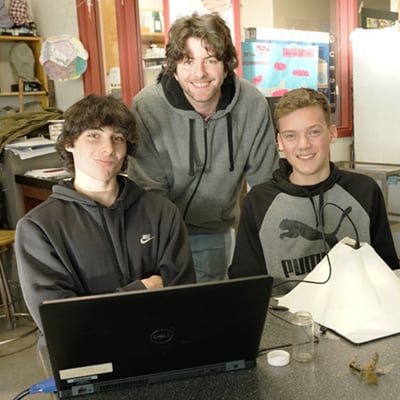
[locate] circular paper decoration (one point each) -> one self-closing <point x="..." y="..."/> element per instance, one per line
<point x="219" y="6"/>
<point x="63" y="57"/>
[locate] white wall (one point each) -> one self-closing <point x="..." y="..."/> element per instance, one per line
<point x="53" y="18"/>
<point x="151" y="4"/>
<point x="255" y="13"/>
<point x="340" y="151"/>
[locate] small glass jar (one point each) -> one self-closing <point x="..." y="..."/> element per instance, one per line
<point x="303" y="337"/>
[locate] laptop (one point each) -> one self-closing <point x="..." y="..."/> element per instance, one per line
<point x="122" y="340"/>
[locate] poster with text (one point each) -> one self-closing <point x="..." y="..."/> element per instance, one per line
<point x="275" y="67"/>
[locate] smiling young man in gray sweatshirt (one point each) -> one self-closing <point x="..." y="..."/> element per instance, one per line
<point x="203" y="132"/>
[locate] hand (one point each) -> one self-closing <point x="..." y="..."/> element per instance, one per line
<point x="153" y="282"/>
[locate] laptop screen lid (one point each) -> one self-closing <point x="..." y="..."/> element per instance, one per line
<point x="119" y="340"/>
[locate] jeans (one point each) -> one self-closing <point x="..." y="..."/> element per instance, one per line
<point x="212" y="254"/>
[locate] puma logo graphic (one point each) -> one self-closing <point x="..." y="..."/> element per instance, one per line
<point x="292" y="229"/>
<point x="146" y="238"/>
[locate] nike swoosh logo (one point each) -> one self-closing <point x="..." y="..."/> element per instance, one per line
<point x="146" y="238"/>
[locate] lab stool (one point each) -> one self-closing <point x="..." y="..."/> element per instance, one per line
<point x="6" y="242"/>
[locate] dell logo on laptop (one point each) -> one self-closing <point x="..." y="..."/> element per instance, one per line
<point x="161" y="336"/>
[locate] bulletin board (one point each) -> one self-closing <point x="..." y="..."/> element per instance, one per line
<point x="279" y="60"/>
<point x="276" y="67"/>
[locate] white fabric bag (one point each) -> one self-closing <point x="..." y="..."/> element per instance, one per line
<point x="361" y="300"/>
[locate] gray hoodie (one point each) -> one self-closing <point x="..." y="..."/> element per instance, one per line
<point x="201" y="165"/>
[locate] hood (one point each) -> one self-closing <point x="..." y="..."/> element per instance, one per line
<point x="280" y="179"/>
<point x="176" y="97"/>
<point x="129" y="193"/>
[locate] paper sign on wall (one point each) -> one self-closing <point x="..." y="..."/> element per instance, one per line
<point x="279" y="60"/>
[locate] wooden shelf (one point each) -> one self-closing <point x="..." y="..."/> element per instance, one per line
<point x="153" y="58"/>
<point x="149" y="38"/>
<point x="35" y="43"/>
<point x="16" y="94"/>
<point x="7" y="38"/>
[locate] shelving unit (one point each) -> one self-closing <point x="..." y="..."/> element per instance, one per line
<point x="151" y="29"/>
<point x="35" y="43"/>
<point x="151" y="64"/>
<point x="148" y="38"/>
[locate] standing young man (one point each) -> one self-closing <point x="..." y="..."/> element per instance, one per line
<point x="99" y="232"/>
<point x="288" y="223"/>
<point x="203" y="131"/>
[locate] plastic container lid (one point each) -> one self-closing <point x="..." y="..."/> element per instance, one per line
<point x="278" y="358"/>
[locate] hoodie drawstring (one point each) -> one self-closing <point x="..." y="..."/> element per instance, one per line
<point x="321" y="206"/>
<point x="191" y="147"/>
<point x="319" y="224"/>
<point x="230" y="141"/>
